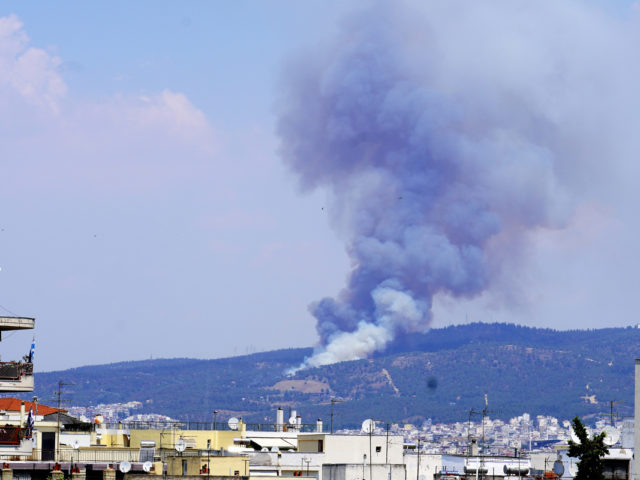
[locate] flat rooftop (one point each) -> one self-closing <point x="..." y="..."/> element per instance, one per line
<point x="17" y="323"/>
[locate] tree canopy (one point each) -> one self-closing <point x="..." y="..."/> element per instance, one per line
<point x="590" y="452"/>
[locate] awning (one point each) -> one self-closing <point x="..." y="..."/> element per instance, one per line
<point x="281" y="443"/>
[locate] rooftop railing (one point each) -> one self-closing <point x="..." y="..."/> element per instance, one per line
<point x="15" y="370"/>
<point x="222" y="425"/>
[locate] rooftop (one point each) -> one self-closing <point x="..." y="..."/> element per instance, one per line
<point x="13" y="405"/>
<point x="17" y="323"/>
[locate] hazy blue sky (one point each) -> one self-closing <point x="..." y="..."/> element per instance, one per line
<point x="145" y="210"/>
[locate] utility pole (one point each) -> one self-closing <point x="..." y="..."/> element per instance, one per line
<point x="333" y="402"/>
<point x="418" y="463"/>
<point x="612" y="403"/>
<point x="471" y="412"/>
<point x="371" y="452"/>
<point x="59" y="403"/>
<point x="386" y="453"/>
<point x="485" y="410"/>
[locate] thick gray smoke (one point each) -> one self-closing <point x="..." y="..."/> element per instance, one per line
<point x="443" y="136"/>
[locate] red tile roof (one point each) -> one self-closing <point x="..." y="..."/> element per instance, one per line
<point x="13" y="405"/>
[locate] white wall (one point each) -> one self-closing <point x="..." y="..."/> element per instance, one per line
<point x="357" y="472"/>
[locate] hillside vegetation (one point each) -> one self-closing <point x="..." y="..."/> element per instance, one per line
<point x="440" y="375"/>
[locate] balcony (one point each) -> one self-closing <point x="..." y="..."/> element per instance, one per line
<point x="17" y="323"/>
<point x="16" y="377"/>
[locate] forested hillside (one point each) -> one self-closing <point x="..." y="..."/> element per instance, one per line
<point x="439" y="375"/>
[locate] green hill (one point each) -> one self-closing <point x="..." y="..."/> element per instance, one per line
<point x="439" y="375"/>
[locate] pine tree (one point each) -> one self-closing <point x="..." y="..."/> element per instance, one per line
<point x="589" y="451"/>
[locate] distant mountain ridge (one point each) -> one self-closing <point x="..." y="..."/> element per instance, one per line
<point x="439" y="375"/>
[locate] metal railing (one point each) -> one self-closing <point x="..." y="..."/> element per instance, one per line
<point x="222" y="425"/>
<point x="15" y="370"/>
<point x="86" y="455"/>
<point x="11" y="435"/>
<point x="113" y="455"/>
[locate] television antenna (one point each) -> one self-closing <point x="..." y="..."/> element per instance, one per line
<point x="611" y="404"/>
<point x="58" y="394"/>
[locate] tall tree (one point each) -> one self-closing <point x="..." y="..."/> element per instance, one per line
<point x="590" y="452"/>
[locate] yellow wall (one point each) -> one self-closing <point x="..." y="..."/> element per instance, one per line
<point x="218" y="466"/>
<point x="168" y="438"/>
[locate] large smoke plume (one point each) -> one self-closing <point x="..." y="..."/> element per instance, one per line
<point x="443" y="136"/>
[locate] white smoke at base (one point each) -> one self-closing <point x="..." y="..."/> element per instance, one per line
<point x="395" y="310"/>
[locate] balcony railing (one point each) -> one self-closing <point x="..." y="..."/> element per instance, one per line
<point x="11" y="435"/>
<point x="15" y="370"/>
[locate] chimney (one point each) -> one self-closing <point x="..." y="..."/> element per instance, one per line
<point x="299" y="421"/>
<point x="279" y="419"/>
<point x="319" y="426"/>
<point x="636" y="423"/>
<point x="22" y="414"/>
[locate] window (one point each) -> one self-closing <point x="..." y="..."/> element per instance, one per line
<point x="378" y="449"/>
<point x="320" y="446"/>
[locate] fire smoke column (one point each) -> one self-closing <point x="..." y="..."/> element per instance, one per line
<point x="435" y="175"/>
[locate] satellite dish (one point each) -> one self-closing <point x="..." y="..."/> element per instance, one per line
<point x="292" y="421"/>
<point x="275" y="449"/>
<point x="264" y="449"/>
<point x="573" y="469"/>
<point x="125" y="467"/>
<point x="612" y="435"/>
<point x="75" y="444"/>
<point x="180" y="445"/>
<point x="558" y="468"/>
<point x="233" y="423"/>
<point x="368" y="426"/>
<point x="146" y="466"/>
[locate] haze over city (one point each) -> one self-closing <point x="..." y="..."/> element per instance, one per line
<point x="187" y="179"/>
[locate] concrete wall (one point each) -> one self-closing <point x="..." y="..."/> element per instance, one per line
<point x="168" y="438"/>
<point x="366" y="472"/>
<point x="217" y="466"/>
<point x="429" y="465"/>
<point x="345" y="449"/>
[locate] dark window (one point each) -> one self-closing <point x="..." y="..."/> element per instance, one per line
<point x="378" y="449"/>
